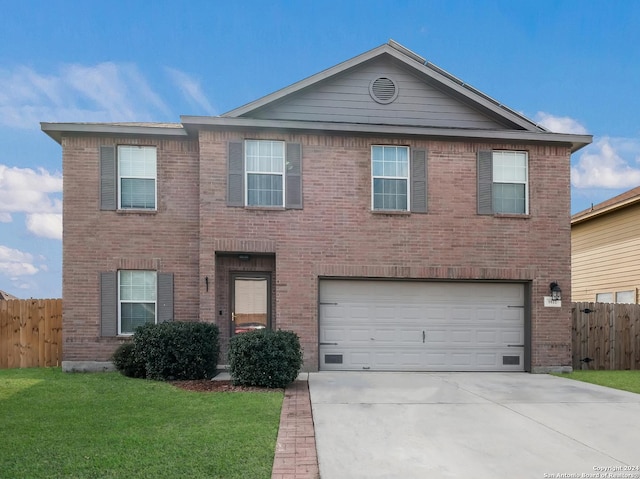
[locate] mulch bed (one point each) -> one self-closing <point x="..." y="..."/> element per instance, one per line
<point x="207" y="385"/>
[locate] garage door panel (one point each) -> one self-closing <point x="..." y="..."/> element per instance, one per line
<point x="421" y="326"/>
<point x="486" y="359"/>
<point x="331" y="334"/>
<point x="358" y="335"/>
<point x="436" y="360"/>
<point x="465" y="337"/>
<point x="385" y="335"/>
<point x="489" y="337"/>
<point x="487" y="314"/>
<point x="356" y="312"/>
<point x="462" y="314"/>
<point x="436" y="336"/>
<point x="411" y="335"/>
<point x="512" y="337"/>
<point x="411" y="313"/>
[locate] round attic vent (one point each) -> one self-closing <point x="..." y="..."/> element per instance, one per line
<point x="383" y="90"/>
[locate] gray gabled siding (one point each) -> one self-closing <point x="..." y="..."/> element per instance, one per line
<point x="346" y="99"/>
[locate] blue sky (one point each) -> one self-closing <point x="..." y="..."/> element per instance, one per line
<point x="573" y="66"/>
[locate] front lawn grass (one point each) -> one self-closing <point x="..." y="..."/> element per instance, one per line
<point x="105" y="425"/>
<point x="625" y="380"/>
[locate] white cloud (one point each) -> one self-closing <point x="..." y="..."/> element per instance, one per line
<point x="560" y="124"/>
<point x="191" y="90"/>
<point x="46" y="225"/>
<point x="108" y="92"/>
<point x="15" y="263"/>
<point x="608" y="163"/>
<point x="36" y="193"/>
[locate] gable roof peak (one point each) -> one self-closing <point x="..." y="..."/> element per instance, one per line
<point x="483" y="111"/>
<point x="404" y="50"/>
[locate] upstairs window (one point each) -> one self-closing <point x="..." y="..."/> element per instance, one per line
<point x="136" y="177"/>
<point x="264" y="169"/>
<point x="503" y="182"/>
<point x="510" y="182"/>
<point x="390" y="177"/>
<point x="264" y="173"/>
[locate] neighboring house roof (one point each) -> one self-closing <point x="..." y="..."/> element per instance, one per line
<point x="4" y="296"/>
<point x="339" y="99"/>
<point x="616" y="203"/>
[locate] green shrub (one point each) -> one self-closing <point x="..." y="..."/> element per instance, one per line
<point x="128" y="362"/>
<point x="175" y="350"/>
<point x="265" y="358"/>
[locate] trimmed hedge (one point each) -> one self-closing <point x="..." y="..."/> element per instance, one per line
<point x="127" y="361"/>
<point x="265" y="358"/>
<point x="172" y="350"/>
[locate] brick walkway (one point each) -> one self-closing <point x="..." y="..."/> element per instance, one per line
<point x="296" y="456"/>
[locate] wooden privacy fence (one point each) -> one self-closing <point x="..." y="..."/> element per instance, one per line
<point x="30" y="333"/>
<point x="606" y="336"/>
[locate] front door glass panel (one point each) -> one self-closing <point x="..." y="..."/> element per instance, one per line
<point x="250" y="308"/>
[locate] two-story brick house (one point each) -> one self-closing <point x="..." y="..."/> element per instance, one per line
<point x="392" y="216"/>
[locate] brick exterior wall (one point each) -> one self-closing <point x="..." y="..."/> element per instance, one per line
<point x="335" y="235"/>
<point x="97" y="241"/>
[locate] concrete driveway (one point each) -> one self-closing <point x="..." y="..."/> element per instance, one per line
<point x="472" y="425"/>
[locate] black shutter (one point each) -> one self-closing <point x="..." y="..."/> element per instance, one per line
<point x="108" y="180"/>
<point x="419" y="181"/>
<point x="485" y="183"/>
<point x="109" y="304"/>
<point x="293" y="170"/>
<point x="235" y="174"/>
<point x="165" y="297"/>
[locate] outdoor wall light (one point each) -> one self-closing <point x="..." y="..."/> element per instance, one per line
<point x="244" y="257"/>
<point x="556" y="292"/>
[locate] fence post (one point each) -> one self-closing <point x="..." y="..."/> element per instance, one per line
<point x="612" y="340"/>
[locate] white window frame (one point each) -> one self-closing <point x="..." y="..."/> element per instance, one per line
<point x="407" y="178"/>
<point x="604" y="297"/>
<point x="248" y="172"/>
<point x="122" y="301"/>
<point x="497" y="153"/>
<point x="153" y="177"/>
<point x="630" y="292"/>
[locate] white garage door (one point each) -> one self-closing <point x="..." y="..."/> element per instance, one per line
<point x="421" y="326"/>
